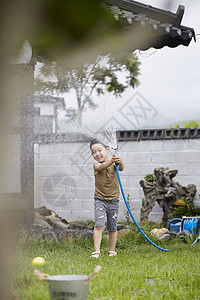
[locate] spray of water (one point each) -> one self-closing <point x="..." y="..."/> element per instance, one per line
<point x="107" y="136"/>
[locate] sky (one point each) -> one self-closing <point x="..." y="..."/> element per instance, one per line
<point x="170" y="76"/>
<point x="169" y="88"/>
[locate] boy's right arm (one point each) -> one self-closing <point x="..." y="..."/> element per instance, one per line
<point x="102" y="166"/>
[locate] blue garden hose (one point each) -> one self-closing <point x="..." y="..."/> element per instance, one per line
<point x="124" y="197"/>
<point x="197" y="239"/>
<point x="191" y="225"/>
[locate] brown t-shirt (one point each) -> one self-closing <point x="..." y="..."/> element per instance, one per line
<point x="106" y="183"/>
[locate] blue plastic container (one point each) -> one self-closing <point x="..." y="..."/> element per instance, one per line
<point x="174" y="225"/>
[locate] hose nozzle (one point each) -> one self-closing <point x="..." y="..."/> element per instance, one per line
<point x="115" y="149"/>
<point x="116" y="153"/>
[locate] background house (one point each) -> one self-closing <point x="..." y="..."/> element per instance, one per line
<point x="46" y="113"/>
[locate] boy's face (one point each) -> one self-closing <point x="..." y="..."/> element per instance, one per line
<point x="99" y="152"/>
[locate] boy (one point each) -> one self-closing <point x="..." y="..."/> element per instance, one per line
<point x="106" y="197"/>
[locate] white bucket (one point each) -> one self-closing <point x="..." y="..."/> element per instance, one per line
<point x="68" y="287"/>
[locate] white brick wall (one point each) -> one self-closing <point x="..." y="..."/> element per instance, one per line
<point x="64" y="178"/>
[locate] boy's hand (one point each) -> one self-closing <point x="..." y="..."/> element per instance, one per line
<point x="119" y="162"/>
<point x="117" y="159"/>
<point x="113" y="158"/>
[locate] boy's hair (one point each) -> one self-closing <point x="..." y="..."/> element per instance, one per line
<point x="95" y="141"/>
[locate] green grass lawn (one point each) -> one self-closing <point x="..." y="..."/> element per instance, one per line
<point x="139" y="271"/>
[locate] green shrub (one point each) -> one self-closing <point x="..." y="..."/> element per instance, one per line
<point x="150" y="178"/>
<point x="190" y="210"/>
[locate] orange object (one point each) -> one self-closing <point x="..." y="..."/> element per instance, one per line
<point x="180" y="202"/>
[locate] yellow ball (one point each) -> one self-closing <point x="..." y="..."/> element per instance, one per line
<point x="38" y="261"/>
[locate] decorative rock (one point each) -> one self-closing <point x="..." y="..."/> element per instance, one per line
<point x="57" y="223"/>
<point x="40" y="231"/>
<point x="165" y="237"/>
<point x="43" y="212"/>
<point x="77" y="222"/>
<point x="149" y="223"/>
<point x="60" y="225"/>
<point x="49" y="225"/>
<point x="41" y="222"/>
<point x="64" y="221"/>
<point x="86" y="233"/>
<point x="67" y="236"/>
<point x="120" y="226"/>
<point x="185" y="233"/>
<point x="123" y="232"/>
<point x="165" y="191"/>
<point x="78" y="225"/>
<point x="159" y="232"/>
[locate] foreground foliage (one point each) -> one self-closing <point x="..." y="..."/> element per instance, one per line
<point x="139" y="271"/>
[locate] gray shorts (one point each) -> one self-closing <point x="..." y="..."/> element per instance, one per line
<point x="106" y="210"/>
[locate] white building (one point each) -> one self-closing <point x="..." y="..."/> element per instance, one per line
<point x="46" y="113"/>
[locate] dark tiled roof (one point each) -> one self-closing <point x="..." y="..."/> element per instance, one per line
<point x="123" y="135"/>
<point x="149" y="26"/>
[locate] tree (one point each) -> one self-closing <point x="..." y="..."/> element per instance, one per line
<point x="190" y="124"/>
<point x="104" y="74"/>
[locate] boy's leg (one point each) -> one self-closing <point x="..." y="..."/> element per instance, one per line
<point x="99" y="213"/>
<point x="112" y="240"/>
<point x="97" y="238"/>
<point x="113" y="209"/>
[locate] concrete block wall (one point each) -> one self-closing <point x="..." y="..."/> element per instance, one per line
<point x="64" y="178"/>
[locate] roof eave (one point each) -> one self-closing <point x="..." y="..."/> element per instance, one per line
<point x="149" y="26"/>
